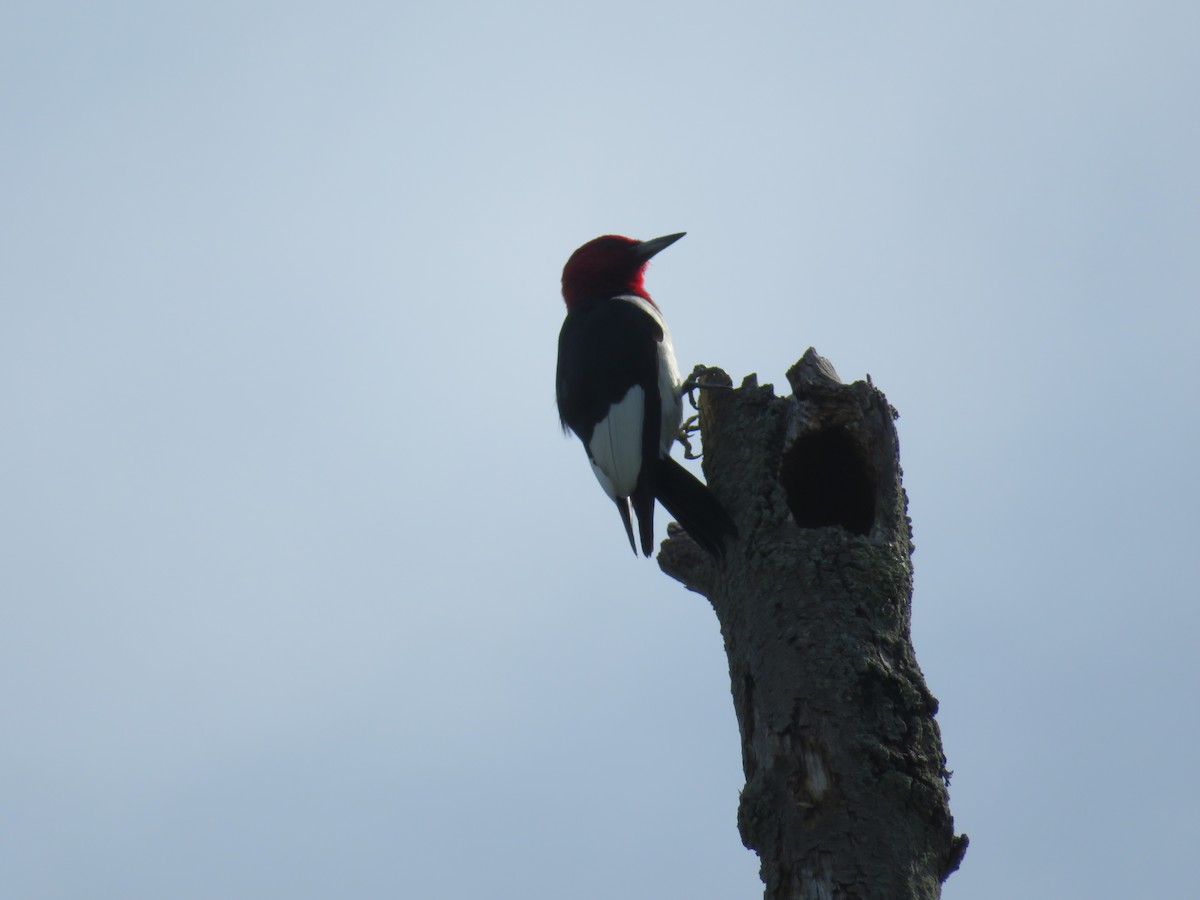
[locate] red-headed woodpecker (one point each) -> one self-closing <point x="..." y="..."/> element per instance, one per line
<point x="619" y="390"/>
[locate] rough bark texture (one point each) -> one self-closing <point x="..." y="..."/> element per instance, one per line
<point x="846" y="783"/>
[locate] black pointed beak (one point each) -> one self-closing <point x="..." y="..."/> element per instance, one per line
<point x="646" y="249"/>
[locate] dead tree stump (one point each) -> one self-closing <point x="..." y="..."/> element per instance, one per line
<point x="846" y="782"/>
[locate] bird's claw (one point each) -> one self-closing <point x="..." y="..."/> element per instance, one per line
<point x="695" y="382"/>
<point x="690" y="426"/>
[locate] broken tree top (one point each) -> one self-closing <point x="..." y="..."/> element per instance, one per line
<point x="846" y="783"/>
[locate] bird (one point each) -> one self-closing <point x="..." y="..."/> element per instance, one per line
<point x="618" y="389"/>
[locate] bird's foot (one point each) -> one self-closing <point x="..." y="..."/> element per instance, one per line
<point x="690" y="426"/>
<point x="695" y="382"/>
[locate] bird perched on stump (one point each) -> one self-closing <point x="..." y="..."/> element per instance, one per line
<point x="619" y="390"/>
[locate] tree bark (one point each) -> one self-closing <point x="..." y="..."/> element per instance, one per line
<point x="846" y="782"/>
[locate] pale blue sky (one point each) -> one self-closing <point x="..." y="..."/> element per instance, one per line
<point x="302" y="592"/>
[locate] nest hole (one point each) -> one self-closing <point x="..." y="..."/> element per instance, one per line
<point x="828" y="482"/>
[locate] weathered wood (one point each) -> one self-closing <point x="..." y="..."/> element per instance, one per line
<point x="846" y="782"/>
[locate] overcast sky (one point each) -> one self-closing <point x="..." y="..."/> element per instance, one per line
<point x="304" y="594"/>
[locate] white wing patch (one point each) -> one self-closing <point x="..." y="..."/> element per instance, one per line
<point x="616" y="445"/>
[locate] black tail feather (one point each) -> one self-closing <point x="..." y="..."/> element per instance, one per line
<point x="643" y="508"/>
<point x="623" y="508"/>
<point x="693" y="506"/>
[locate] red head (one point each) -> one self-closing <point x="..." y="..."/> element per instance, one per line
<point x="609" y="266"/>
